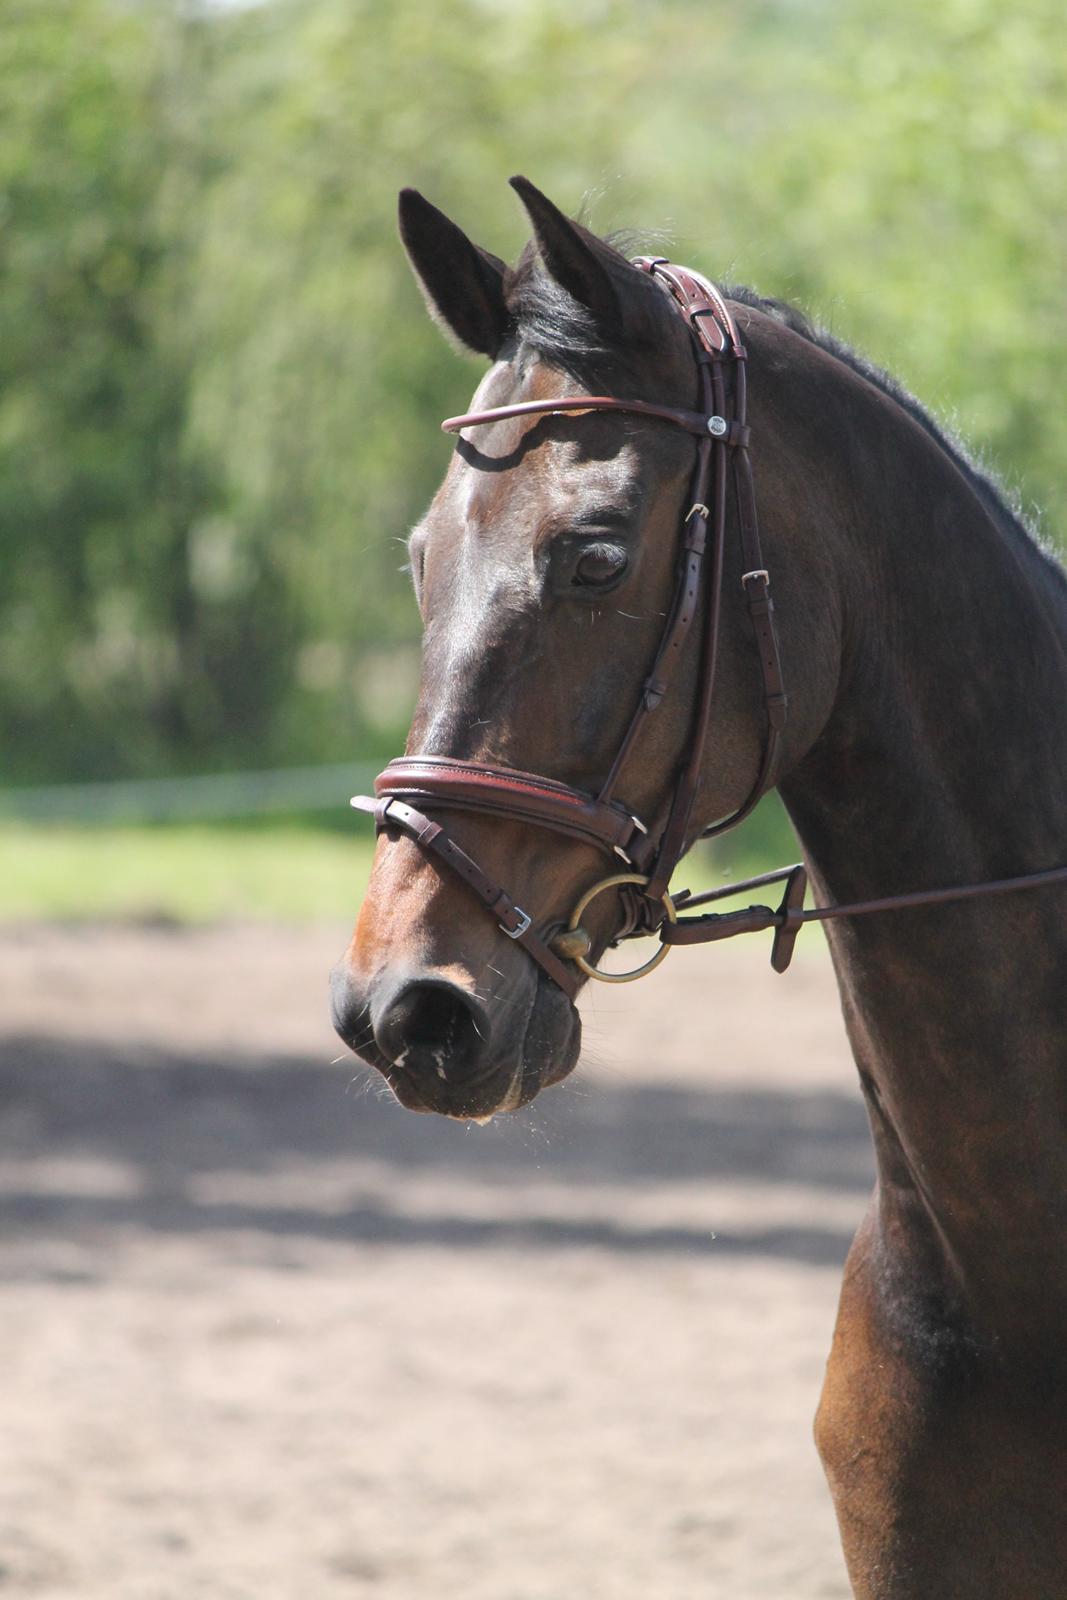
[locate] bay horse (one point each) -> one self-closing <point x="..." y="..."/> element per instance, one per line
<point x="922" y="634"/>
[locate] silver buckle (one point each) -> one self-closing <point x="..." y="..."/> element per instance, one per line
<point x="524" y="923"/>
<point x="718" y="427"/>
<point x="757" y="572"/>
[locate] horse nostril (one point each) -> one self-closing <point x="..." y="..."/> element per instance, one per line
<point x="433" y="1027"/>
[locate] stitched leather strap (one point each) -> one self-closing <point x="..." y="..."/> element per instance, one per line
<point x="699" y="302"/>
<point x="686" y="598"/>
<point x="692" y="421"/>
<point x="521" y="796"/>
<point x="791" y="916"/>
<point x="435" y="841"/>
<point x="706" y="311"/>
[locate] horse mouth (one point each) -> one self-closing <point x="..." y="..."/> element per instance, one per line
<point x="502" y="1087"/>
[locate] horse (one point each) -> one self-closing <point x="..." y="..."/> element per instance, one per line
<point x="921" y="631"/>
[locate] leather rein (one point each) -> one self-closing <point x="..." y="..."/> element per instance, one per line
<point x="411" y="786"/>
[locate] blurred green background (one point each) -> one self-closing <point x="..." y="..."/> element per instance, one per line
<point x="220" y="395"/>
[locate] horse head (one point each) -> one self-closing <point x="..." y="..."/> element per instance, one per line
<point x="547" y="573"/>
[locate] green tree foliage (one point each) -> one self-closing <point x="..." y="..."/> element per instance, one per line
<point x="110" y="658"/>
<point x="220" y="393"/>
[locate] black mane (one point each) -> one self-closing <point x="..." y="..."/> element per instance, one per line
<point x="993" y="494"/>
<point x="551" y="323"/>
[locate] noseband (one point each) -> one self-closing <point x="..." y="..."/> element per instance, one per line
<point x="412" y="785"/>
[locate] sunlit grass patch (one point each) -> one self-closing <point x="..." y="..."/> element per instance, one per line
<point x="198" y="873"/>
<point x="180" y="873"/>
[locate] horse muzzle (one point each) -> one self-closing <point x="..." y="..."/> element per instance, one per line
<point x="442" y="1047"/>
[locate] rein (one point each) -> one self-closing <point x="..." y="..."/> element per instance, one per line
<point x="412" y="785"/>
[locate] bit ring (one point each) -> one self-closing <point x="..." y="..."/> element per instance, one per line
<point x="617" y="880"/>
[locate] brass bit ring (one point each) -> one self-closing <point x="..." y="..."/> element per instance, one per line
<point x="616" y="881"/>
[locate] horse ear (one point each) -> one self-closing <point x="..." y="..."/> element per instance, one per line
<point x="462" y="284"/>
<point x="576" y="258"/>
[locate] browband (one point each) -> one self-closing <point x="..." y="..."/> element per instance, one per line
<point x="692" y="421"/>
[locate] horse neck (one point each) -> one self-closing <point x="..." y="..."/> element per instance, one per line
<point x="944" y="762"/>
<point x="945" y="756"/>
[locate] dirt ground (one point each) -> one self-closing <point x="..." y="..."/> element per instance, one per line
<point x="264" y="1334"/>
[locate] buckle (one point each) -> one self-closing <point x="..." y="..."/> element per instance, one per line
<point x="524" y="922"/>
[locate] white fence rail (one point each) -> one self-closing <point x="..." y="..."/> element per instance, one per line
<point x="205" y="798"/>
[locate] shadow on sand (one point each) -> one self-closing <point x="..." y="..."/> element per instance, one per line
<point x="174" y="1118"/>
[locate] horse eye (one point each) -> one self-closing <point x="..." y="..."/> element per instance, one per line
<point x="598" y="565"/>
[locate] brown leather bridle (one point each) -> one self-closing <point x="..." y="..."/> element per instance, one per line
<point x="411" y="785"/>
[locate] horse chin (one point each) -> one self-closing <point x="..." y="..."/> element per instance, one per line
<point x="552" y="1042"/>
<point x="548" y="1052"/>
